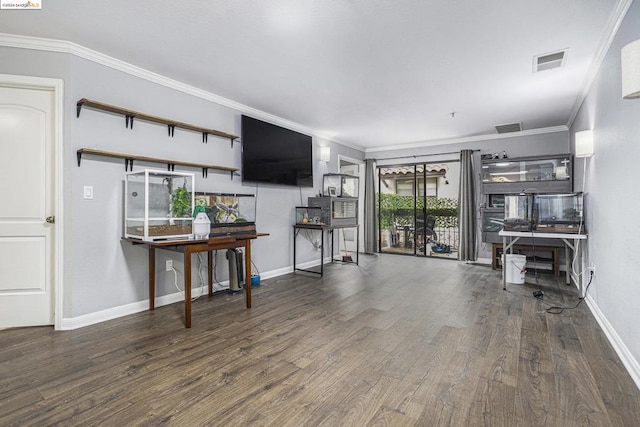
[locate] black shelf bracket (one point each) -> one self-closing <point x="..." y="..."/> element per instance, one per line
<point x="129" y="120"/>
<point x="171" y="163"/>
<point x="131" y="115"/>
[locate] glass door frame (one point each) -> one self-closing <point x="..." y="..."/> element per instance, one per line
<point x="443" y="209"/>
<point x="412" y="229"/>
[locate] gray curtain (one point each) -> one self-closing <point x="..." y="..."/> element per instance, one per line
<point x="467" y="207"/>
<point x="370" y="223"/>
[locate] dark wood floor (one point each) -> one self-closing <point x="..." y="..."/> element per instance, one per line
<point x="396" y="341"/>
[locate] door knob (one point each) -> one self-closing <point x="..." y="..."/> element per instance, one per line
<point x="51" y="219"/>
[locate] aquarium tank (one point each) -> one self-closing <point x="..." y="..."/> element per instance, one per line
<point x="559" y="213"/>
<point x="228" y="213"/>
<point x="518" y="212"/>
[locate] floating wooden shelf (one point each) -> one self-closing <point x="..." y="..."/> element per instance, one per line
<point x="129" y="158"/>
<point x="130" y="115"/>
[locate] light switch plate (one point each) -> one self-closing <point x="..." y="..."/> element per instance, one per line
<point x="88" y="192"/>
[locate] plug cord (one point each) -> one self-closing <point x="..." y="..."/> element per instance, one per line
<point x="557" y="309"/>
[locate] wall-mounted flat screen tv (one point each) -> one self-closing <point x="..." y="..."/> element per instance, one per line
<point x="275" y="155"/>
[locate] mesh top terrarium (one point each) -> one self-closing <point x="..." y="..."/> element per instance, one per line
<point x="159" y="205"/>
<point x="339" y="185"/>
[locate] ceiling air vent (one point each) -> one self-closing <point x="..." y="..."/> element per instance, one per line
<point x="549" y="61"/>
<point x="510" y="127"/>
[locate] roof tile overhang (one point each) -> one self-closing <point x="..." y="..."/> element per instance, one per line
<point x="409" y="171"/>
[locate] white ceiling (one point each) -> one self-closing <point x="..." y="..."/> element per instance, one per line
<point x="367" y="73"/>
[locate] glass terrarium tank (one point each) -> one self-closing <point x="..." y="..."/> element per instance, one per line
<point x="518" y="212"/>
<point x="492" y="220"/>
<point x="496" y="201"/>
<point x="309" y="215"/>
<point x="516" y="170"/>
<point x="158" y="205"/>
<point x="229" y="213"/>
<point x="340" y="185"/>
<point x="546" y="174"/>
<point x="336" y="212"/>
<point x="559" y="213"/>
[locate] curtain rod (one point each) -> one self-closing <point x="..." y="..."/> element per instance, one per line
<point x="420" y="155"/>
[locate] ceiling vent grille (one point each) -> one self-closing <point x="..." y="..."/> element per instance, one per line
<point x="549" y="61"/>
<point x="510" y="127"/>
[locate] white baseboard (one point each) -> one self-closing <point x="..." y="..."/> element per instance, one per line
<point x="618" y="345"/>
<point x="70" y="323"/>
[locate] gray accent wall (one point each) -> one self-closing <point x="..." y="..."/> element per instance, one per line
<point x="612" y="197"/>
<point x="101" y="272"/>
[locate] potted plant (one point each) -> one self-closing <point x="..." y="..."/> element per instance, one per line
<point x="181" y="202"/>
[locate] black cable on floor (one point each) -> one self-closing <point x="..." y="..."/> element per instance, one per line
<point x="556" y="309"/>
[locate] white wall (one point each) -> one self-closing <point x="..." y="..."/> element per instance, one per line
<point x="612" y="198"/>
<point x="100" y="271"/>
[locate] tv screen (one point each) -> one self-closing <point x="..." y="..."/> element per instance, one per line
<point x="275" y="155"/>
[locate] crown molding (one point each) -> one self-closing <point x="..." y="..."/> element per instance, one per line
<point x="613" y="25"/>
<point x="63" y="46"/>
<point x="493" y="136"/>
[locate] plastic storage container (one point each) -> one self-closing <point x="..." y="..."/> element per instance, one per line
<point x="559" y="213"/>
<point x="158" y="205"/>
<point x="230" y="214"/>
<point x="340" y="185"/>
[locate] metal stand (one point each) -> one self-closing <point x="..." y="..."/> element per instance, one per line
<point x="322" y="228"/>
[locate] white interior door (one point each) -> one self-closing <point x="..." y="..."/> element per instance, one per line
<point x="26" y="187"/>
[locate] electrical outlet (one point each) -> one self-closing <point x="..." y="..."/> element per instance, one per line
<point x="169" y="264"/>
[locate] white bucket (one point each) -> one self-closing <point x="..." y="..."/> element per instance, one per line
<point x="516" y="268"/>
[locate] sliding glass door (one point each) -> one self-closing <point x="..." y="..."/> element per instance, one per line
<point x="418" y="209"/>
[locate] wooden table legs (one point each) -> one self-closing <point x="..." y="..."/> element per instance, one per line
<point x="188" y="250"/>
<point x="247" y="272"/>
<point x="210" y="271"/>
<point x="187" y="287"/>
<point x="152" y="278"/>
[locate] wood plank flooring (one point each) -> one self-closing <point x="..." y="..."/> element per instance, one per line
<point x="397" y="341"/>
